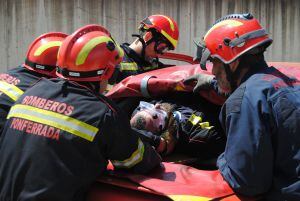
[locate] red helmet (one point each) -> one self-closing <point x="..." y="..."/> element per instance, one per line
<point x="232" y="36"/>
<point x="89" y="54"/>
<point x="163" y="25"/>
<point x="42" y="53"/>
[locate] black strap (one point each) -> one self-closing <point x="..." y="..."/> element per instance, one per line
<point x="243" y="38"/>
<point x="78" y="74"/>
<point x="143" y="44"/>
<point x="159" y="38"/>
<point x="144" y="86"/>
<point x="38" y="66"/>
<point x="135" y="57"/>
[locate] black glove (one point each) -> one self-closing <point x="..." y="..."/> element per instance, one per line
<point x="197" y="129"/>
<point x="148" y="137"/>
<point x="203" y="81"/>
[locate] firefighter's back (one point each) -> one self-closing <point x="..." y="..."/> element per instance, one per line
<point x="50" y="147"/>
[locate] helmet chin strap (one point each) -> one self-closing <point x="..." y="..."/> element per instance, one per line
<point x="140" y="37"/>
<point x="145" y="44"/>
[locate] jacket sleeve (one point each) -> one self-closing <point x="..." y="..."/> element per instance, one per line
<point x="5" y="104"/>
<point x="247" y="163"/>
<point x="199" y="134"/>
<point x="124" y="147"/>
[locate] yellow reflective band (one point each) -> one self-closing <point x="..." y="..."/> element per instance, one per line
<point x="46" y="46"/>
<point x="135" y="158"/>
<point x="204" y="124"/>
<point x="188" y="198"/>
<point x="233" y="23"/>
<point x="120" y="50"/>
<point x="172" y="40"/>
<point x="170" y="21"/>
<point x="10" y="90"/>
<point x="132" y="66"/>
<point x="89" y="46"/>
<point x="195" y="119"/>
<point x="179" y="87"/>
<point x="62" y="122"/>
<point x="209" y="127"/>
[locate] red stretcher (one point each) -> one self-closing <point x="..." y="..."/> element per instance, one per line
<point x="172" y="181"/>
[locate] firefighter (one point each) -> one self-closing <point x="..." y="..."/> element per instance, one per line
<point x="187" y="128"/>
<point x="157" y="34"/>
<point x="40" y="62"/>
<point x="261" y="117"/>
<point x="61" y="133"/>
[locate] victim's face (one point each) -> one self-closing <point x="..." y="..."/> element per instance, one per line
<point x="151" y="118"/>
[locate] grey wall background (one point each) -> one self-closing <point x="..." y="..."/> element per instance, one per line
<point x="23" y="20"/>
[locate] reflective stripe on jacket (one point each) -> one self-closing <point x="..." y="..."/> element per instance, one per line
<point x="58" y="139"/>
<point x="13" y="83"/>
<point x="10" y="90"/>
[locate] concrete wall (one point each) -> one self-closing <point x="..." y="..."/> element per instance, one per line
<point x="23" y="20"/>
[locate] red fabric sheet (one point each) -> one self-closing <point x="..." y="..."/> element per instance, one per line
<point x="176" y="179"/>
<point x="170" y="79"/>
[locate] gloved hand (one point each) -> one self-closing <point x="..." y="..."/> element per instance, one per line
<point x="170" y="135"/>
<point x="201" y="133"/>
<point x="197" y="129"/>
<point x="148" y="137"/>
<point x="203" y="81"/>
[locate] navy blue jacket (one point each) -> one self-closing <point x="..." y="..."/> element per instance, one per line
<point x="262" y="123"/>
<point x="58" y="139"/>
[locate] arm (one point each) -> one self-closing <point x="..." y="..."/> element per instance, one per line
<point x="123" y="146"/>
<point x="154" y="140"/>
<point x="5" y="104"/>
<point x="198" y="134"/>
<point x="203" y="81"/>
<point x="247" y="163"/>
<point x="3" y="115"/>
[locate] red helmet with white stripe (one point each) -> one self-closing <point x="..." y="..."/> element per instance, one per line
<point x="89" y="54"/>
<point x="232" y="36"/>
<point x="164" y="25"/>
<point x="42" y="53"/>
